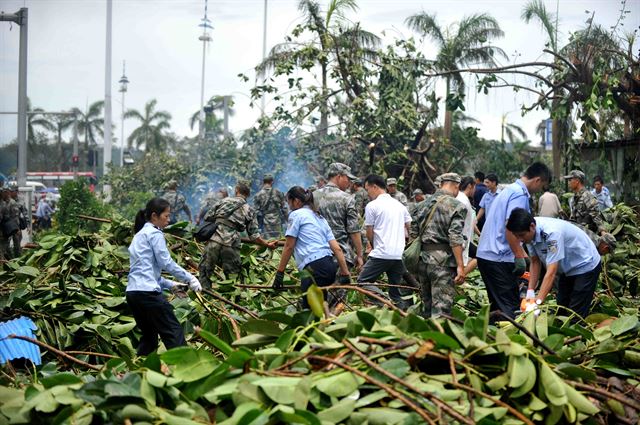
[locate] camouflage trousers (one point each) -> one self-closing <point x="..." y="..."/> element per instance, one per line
<point x="17" y="240"/>
<point x="438" y="288"/>
<point x="216" y="254"/>
<point x="271" y="228"/>
<point x="5" y="254"/>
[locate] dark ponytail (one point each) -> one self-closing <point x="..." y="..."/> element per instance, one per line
<point x="156" y="205"/>
<point x="303" y="195"/>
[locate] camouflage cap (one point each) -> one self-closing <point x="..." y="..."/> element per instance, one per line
<point x="418" y="192"/>
<point x="450" y="177"/>
<point x="437" y="181"/>
<point x="171" y="184"/>
<point x="608" y="239"/>
<point x="267" y="176"/>
<point x="312" y="188"/>
<point x="391" y="180"/>
<point x="338" y="168"/>
<point x="575" y="174"/>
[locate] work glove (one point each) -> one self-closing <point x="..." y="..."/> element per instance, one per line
<point x="529" y="303"/>
<point x="194" y="284"/>
<point x="278" y="283"/>
<point x="344" y="279"/>
<point x="520" y="266"/>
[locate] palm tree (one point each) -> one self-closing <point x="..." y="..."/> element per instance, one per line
<point x="333" y="42"/>
<point x="61" y="123"/>
<point x="513" y="132"/>
<point x="36" y="118"/>
<point x="213" y="124"/>
<point x="89" y="123"/>
<point x="460" y="45"/>
<point x="153" y="123"/>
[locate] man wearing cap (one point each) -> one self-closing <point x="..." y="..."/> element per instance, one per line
<point x="501" y="258"/>
<point x="392" y="189"/>
<point x="583" y="205"/>
<point x="439" y="223"/>
<point x="566" y="251"/>
<point x="339" y="209"/>
<point x="271" y="207"/>
<point x="177" y="201"/>
<point x="418" y="196"/>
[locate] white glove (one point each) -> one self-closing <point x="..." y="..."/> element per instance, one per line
<point x="194" y="284"/>
<point x="530" y="294"/>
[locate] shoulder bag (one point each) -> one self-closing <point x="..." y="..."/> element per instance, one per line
<point x="411" y="255"/>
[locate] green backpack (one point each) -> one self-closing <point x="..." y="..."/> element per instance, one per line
<point x="411" y="255"/>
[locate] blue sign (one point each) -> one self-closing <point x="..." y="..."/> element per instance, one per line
<point x="548" y="135"/>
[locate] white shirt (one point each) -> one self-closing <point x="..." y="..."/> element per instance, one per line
<point x="467" y="230"/>
<point x="388" y="218"/>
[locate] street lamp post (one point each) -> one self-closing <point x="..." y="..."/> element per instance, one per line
<point x="124" y="81"/>
<point x="205" y="38"/>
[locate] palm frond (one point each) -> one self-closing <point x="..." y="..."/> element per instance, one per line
<point x="426" y="25"/>
<point x="535" y="9"/>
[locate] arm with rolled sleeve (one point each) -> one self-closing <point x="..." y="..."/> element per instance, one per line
<point x="166" y="263"/>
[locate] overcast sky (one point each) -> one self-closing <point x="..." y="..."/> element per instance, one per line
<point x="158" y="39"/>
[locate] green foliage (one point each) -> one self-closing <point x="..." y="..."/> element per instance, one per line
<point x="76" y="198"/>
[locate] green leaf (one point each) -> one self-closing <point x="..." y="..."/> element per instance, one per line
<point x="580" y="402"/>
<point x="553" y="386"/>
<point x="194" y="365"/>
<point x="315" y="298"/>
<point x="285" y="340"/>
<point x="338" y="385"/>
<point x="62" y="378"/>
<point x="624" y="324"/>
<point x="262" y="327"/>
<point x="575" y="372"/>
<point x="215" y="342"/>
<point x="122" y="328"/>
<point x="396" y="366"/>
<point x="367" y="319"/>
<point x="441" y="340"/>
<point x="338" y="412"/>
<point x="280" y="389"/>
<point x="27" y="271"/>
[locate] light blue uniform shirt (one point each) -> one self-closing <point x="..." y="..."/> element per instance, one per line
<point x="486" y="201"/>
<point x="149" y="257"/>
<point x="604" y="198"/>
<point x="312" y="233"/>
<point x="561" y="241"/>
<point x="493" y="245"/>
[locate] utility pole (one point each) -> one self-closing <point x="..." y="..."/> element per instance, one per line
<point x="124" y="81"/>
<point x="264" y="50"/>
<point x="106" y="154"/>
<point x="225" y="107"/>
<point x="21" y="18"/>
<point x="205" y="38"/>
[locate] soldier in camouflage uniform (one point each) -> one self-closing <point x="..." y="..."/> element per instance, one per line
<point x="442" y="243"/>
<point x="395" y="193"/>
<point x="4" y="216"/>
<point x="17" y="210"/>
<point x="339" y="209"/>
<point x="360" y="195"/>
<point x="233" y="216"/>
<point x="418" y="196"/>
<point x="583" y="205"/>
<point x="209" y="202"/>
<point x="271" y="207"/>
<point x="176" y="200"/>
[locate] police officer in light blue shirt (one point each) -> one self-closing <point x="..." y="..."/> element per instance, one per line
<point x="501" y="258"/>
<point x="565" y="250"/>
<point x="311" y="242"/>
<point x="149" y="256"/>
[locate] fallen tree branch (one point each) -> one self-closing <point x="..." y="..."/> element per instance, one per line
<point x="622" y="399"/>
<point x="367" y="293"/>
<point x="524" y="330"/>
<point x="437" y="401"/>
<point x="91" y="353"/>
<point x="231" y="303"/>
<point x="88" y="217"/>
<point x="54" y="350"/>
<point x="391" y="391"/>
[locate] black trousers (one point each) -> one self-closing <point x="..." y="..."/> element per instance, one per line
<point x="375" y="267"/>
<point x="576" y="292"/>
<point x="154" y="316"/>
<point x="502" y="286"/>
<point x="322" y="272"/>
